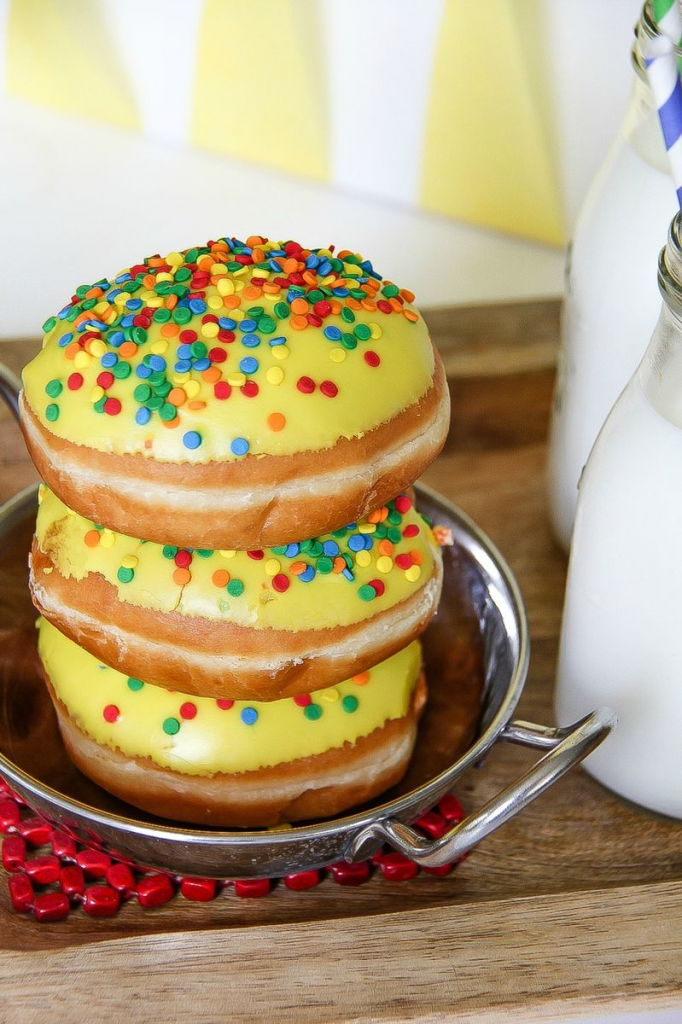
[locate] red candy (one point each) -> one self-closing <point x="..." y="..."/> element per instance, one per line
<point x="404" y="561"/>
<point x="188" y="711"/>
<point x="433" y="824"/>
<point x="222" y="390"/>
<point x="441" y="872"/>
<point x="302" y="700"/>
<point x="183" y="559"/>
<point x="224" y="703"/>
<point x="63" y="846"/>
<point x="101" y="901"/>
<point x="411" y="530"/>
<point x="403" y="504"/>
<point x="51" y="906"/>
<point x="154" y="890"/>
<point x="379" y="587"/>
<point x="199" y="889"/>
<point x="105" y="379"/>
<point x="250" y="389"/>
<point x="451" y="808"/>
<point x="371" y="358"/>
<point x="35" y="831"/>
<point x="217" y="355"/>
<point x="111" y="713"/>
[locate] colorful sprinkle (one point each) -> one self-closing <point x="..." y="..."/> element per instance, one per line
<point x="249" y="716"/>
<point x="191" y="439"/>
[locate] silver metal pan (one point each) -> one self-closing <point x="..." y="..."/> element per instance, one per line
<point x="479" y="590"/>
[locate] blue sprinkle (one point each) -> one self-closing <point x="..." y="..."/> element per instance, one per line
<point x="123" y="277"/>
<point x="292" y="550"/>
<point x="330" y="548"/>
<point x="134" y="304"/>
<point x="227" y="323"/>
<point x="251" y="340"/>
<point x="279" y="340"/>
<point x="128" y="321"/>
<point x="348" y="574"/>
<point x="339" y="291"/>
<point x="157" y="363"/>
<point x="247" y="326"/>
<point x="276" y="265"/>
<point x="184" y="351"/>
<point x="143" y="371"/>
<point x="116" y="338"/>
<point x="197" y="305"/>
<point x="248" y="364"/>
<point x="369" y="541"/>
<point x="63" y="313"/>
<point x="192" y="439"/>
<point x="142" y="415"/>
<point x="109" y="359"/>
<point x="324" y="268"/>
<point x="239" y="446"/>
<point x="312" y="261"/>
<point x="182" y="366"/>
<point x="307" y="575"/>
<point x="201" y="364"/>
<point x="333" y="333"/>
<point x="65" y="339"/>
<point x="356" y="542"/>
<point x="113" y="293"/>
<point x="249" y="716"/>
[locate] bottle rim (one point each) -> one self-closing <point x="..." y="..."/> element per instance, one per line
<point x="646" y="29"/>
<point x="670" y="267"/>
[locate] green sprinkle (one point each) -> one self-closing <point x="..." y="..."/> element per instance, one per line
<point x="125" y="575"/>
<point x="54" y="388"/>
<point x="324" y="565"/>
<point x="163" y="389"/>
<point x="266" y="325"/>
<point x="312" y="712"/>
<point x="168" y="412"/>
<point x="394" y="517"/>
<point x="135" y="684"/>
<point x="190" y="257"/>
<point x="348" y="315"/>
<point x="52" y="412"/>
<point x="121" y="370"/>
<point x="394" y="535"/>
<point x="99" y="404"/>
<point x="349" y="341"/>
<point x="255" y="312"/>
<point x="316" y="296"/>
<point x="171" y="726"/>
<point x="280" y="550"/>
<point x="350" y="703"/>
<point x="182" y="315"/>
<point x="390" y="291"/>
<point x="138" y="335"/>
<point x="204" y="552"/>
<point x="89" y="303"/>
<point x="281" y="310"/>
<point x="362" y="332"/>
<point x="161" y="316"/>
<point x="142" y="392"/>
<point x="198" y="349"/>
<point x="169" y="551"/>
<point x="235" y="588"/>
<point x="183" y="274"/>
<point x="155" y="403"/>
<point x="366" y="593"/>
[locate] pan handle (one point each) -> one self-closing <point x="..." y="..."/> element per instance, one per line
<point x="10" y="386"/>
<point x="567" y="747"/>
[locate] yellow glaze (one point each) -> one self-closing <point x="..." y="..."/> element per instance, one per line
<point x="196" y="736"/>
<point x="279" y="419"/>
<point x="146" y="577"/>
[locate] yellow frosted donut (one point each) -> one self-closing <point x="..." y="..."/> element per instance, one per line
<point x="260" y="624"/>
<point x="235" y="395"/>
<point x="234" y="762"/>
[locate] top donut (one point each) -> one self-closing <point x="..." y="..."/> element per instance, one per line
<point x="237" y="394"/>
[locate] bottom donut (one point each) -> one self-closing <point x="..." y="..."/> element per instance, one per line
<point x="235" y="763"/>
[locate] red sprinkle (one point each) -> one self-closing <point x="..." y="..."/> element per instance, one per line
<point x="112" y="406"/>
<point x="183" y="559"/>
<point x="280" y="582"/>
<point x="404" y="561"/>
<point x="322" y="308"/>
<point x="217" y="355"/>
<point x="222" y="390"/>
<point x="225" y="336"/>
<point x="75" y="381"/>
<point x="329" y="388"/>
<point x="256" y="555"/>
<point x="188" y="711"/>
<point x="303" y="700"/>
<point x="105" y="379"/>
<point x="379" y="587"/>
<point x="250" y="389"/>
<point x="111" y="713"/>
<point x="306" y="385"/>
<point x="403" y="504"/>
<point x="411" y="530"/>
<point x="224" y="703"/>
<point x="188" y="336"/>
<point x="383" y="306"/>
<point x="371" y="358"/>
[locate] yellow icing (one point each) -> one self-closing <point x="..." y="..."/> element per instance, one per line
<point x="367" y="394"/>
<point x="216" y="739"/>
<point x="330" y="599"/>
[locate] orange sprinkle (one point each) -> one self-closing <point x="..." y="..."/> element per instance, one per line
<point x="383" y="514"/>
<point x="196" y="404"/>
<point x="205" y="262"/>
<point x="211" y="375"/>
<point x="148" y="442"/>
<point x="290" y="266"/>
<point x="251" y="292"/>
<point x="93" y="293"/>
<point x="156" y="261"/>
<point x="336" y="305"/>
<point x="368" y="305"/>
<point x="182" y="576"/>
<point x="276" y="421"/>
<point x="298" y="567"/>
<point x="309" y="277"/>
<point x="170" y="329"/>
<point x="396" y="305"/>
<point x="253" y="241"/>
<point x="149" y="280"/>
<point x="171" y="423"/>
<point x="91" y="538"/>
<point x="221" y="577"/>
<point x="219" y="247"/>
<point x="300" y="306"/>
<point x="127" y="349"/>
<point x="362" y="679"/>
<point x="385" y="547"/>
<point x="176" y="397"/>
<point x="171" y="301"/>
<point x="374" y="517"/>
<point x="410" y="315"/>
<point x="231" y="301"/>
<point x="353" y="303"/>
<point x="271" y="288"/>
<point x="407" y="295"/>
<point x="258" y="255"/>
<point x="417" y="557"/>
<point x="339" y="564"/>
<point x="299" y="323"/>
<point x="72" y="349"/>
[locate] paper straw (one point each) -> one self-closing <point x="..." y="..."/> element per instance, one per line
<point x="661" y="65"/>
<point x="668" y="17"/>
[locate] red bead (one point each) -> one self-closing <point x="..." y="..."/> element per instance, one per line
<point x="403" y="504"/>
<point x="371" y="358"/>
<point x="306" y="385"/>
<point x="250" y="389"/>
<point x="51" y="906"/>
<point x="183" y="559"/>
<point x="378" y="586"/>
<point x="74" y="381"/>
<point x="105" y="379"/>
<point x="112" y="406"/>
<point x="101" y="901"/>
<point x="444" y="869"/>
<point x="72" y="881"/>
<point x="329" y="388"/>
<point x="120" y="877"/>
<point x="153" y="890"/>
<point x="280" y="583"/>
<point x="350" y="874"/>
<point x="200" y="889"/>
<point x="302" y="700"/>
<point x="35" y="831"/>
<point x="397" y="867"/>
<point x="252" y="888"/>
<point x="302" y="880"/>
<point x="222" y="390"/>
<point x="21" y="893"/>
<point x="43" y="870"/>
<point x="188" y="711"/>
<point x="10" y="815"/>
<point x="13" y="853"/>
<point x="217" y="355"/>
<point x="94" y="863"/>
<point x="451" y="808"/>
<point x="63" y="846"/>
<point x="433" y="824"/>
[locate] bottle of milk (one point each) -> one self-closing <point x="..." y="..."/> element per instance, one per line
<point x="611" y="296"/>
<point x="621" y="635"/>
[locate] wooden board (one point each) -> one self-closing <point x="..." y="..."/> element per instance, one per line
<point x="573" y="907"/>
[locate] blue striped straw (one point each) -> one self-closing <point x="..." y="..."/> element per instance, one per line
<point x="668" y="18"/>
<point x="660" y="60"/>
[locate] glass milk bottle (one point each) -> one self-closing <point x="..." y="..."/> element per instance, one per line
<point x="620" y="642"/>
<point x="611" y="300"/>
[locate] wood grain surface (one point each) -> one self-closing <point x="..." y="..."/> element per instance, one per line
<point x="573" y="907"/>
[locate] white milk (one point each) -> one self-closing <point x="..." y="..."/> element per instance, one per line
<point x="611" y="297"/>
<point x="621" y="641"/>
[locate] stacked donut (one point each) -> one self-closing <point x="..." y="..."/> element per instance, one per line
<point x="256" y="412"/>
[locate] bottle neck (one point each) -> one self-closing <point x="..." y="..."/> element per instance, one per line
<point x="646" y="29"/>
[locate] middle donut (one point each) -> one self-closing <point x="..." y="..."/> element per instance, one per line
<point x="257" y="625"/>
